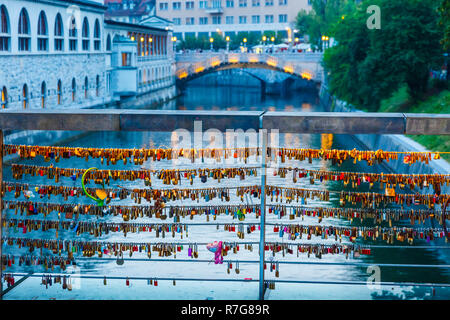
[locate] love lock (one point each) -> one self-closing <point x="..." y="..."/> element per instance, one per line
<point x="100" y="193"/>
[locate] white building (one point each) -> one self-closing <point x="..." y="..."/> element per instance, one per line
<point x="56" y="53"/>
<point x="228" y="17"/>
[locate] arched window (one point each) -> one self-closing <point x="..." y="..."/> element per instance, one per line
<point x="145" y="76"/>
<point x="43" y="93"/>
<point x="73" y="34"/>
<point x="86" y="87"/>
<point x="42" y="40"/>
<point x="74" y="89"/>
<point x="85" y="35"/>
<point x="97" y="41"/>
<point x="59" y="91"/>
<point x="25" y="96"/>
<point x="108" y="43"/>
<point x="59" y="33"/>
<point x="4" y="100"/>
<point x="4" y="29"/>
<point x="24" y="31"/>
<point x="97" y="85"/>
<point x="140" y="77"/>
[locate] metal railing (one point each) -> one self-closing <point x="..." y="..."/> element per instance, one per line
<point x="285" y="122"/>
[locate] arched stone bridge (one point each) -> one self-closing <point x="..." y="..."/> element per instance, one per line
<point x="302" y="65"/>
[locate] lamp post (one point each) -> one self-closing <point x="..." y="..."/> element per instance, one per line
<point x="211" y="40"/>
<point x="227" y="39"/>
<point x="245" y="44"/>
<point x="273" y="43"/>
<point x="174" y="41"/>
<point x="264" y="39"/>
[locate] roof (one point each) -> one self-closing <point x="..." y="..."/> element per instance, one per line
<point x="139" y="10"/>
<point x="132" y="25"/>
<point x="86" y="3"/>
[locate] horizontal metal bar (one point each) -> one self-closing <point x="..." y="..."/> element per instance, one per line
<point x="418" y="123"/>
<point x="169" y="120"/>
<point x="361" y="264"/>
<point x="335" y="122"/>
<point x="402" y="284"/>
<point x="357" y="264"/>
<point x="127" y="120"/>
<point x="408" y="284"/>
<point x="134" y="278"/>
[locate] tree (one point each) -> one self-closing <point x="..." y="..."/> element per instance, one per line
<point x="444" y="10"/>
<point x="367" y="66"/>
<point x="322" y="18"/>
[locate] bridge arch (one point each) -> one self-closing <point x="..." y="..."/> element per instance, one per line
<point x="190" y="70"/>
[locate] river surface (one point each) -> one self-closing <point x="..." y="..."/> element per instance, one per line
<point x="242" y="99"/>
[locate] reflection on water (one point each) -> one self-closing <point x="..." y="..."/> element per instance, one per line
<point x="211" y="98"/>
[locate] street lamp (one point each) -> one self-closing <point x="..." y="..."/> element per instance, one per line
<point x="227" y="39"/>
<point x="273" y="43"/>
<point x="245" y="44"/>
<point x="211" y="40"/>
<point x="174" y="40"/>
<point x="264" y="39"/>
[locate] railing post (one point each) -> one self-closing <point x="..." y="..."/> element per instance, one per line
<point x="1" y="215"/>
<point x="262" y="232"/>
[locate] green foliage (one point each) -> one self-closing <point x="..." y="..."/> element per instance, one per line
<point x="444" y="11"/>
<point x="322" y="18"/>
<point x="367" y="66"/>
<point x="439" y="103"/>
<point x="236" y="40"/>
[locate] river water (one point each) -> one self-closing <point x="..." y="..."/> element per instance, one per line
<point x="242" y="99"/>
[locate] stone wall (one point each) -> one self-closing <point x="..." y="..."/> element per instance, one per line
<point x="33" y="70"/>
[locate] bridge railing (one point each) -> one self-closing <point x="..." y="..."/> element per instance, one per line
<point x="258" y="121"/>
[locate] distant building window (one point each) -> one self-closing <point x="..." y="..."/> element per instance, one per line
<point x="86" y="88"/>
<point x="255" y="19"/>
<point x="42" y="40"/>
<point x="189" y="5"/>
<point x="59" y="92"/>
<point x="229" y="19"/>
<point x="85" y="35"/>
<point x="43" y="94"/>
<point x="282" y="18"/>
<point x="108" y="43"/>
<point x="73" y="45"/>
<point x="163" y="6"/>
<point x="97" y="41"/>
<point x="176" y="6"/>
<point x="190" y="21"/>
<point x="269" y="18"/>
<point x="203" y="20"/>
<point x="242" y="19"/>
<point x="230" y="3"/>
<point x="59" y="34"/>
<point x="4" y="100"/>
<point x="285" y="2"/>
<point x="203" y="4"/>
<point x="176" y="21"/>
<point x="216" y="20"/>
<point x="4" y="29"/>
<point x="74" y="89"/>
<point x="256" y="3"/>
<point x="269" y="3"/>
<point x="126" y="59"/>
<point x="24" y="31"/>
<point x="97" y="85"/>
<point x="242" y="3"/>
<point x="25" y="102"/>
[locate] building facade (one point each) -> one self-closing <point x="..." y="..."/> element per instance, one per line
<point x="131" y="11"/>
<point x="205" y="17"/>
<point x="58" y="54"/>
